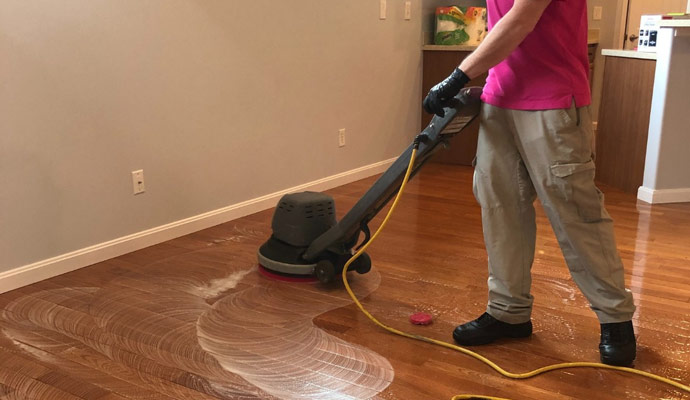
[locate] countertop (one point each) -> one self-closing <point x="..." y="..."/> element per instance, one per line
<point x="592" y="38"/>
<point x="440" y="47"/>
<point x="674" y="23"/>
<point x="629" y="54"/>
<point x="665" y="23"/>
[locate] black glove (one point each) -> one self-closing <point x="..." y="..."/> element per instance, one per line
<point x="440" y="95"/>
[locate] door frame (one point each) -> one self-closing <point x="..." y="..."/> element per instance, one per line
<point x="621" y="23"/>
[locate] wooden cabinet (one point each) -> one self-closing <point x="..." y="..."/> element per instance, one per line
<point x="621" y="140"/>
<point x="438" y="64"/>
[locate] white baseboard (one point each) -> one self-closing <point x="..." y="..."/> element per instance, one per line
<point x="659" y="196"/>
<point x="74" y="260"/>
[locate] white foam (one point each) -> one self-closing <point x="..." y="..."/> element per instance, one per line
<point x="218" y="286"/>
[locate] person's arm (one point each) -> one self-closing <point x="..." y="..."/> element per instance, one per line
<point x="503" y="38"/>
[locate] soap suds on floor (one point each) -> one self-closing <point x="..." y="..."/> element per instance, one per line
<point x="218" y="286"/>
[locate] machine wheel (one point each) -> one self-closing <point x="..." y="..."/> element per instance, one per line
<point x="362" y="264"/>
<point x="325" y="271"/>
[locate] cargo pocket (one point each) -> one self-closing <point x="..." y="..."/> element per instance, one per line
<point x="575" y="183"/>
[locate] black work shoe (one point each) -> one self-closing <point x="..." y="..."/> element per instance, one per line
<point x="617" y="345"/>
<point x="486" y="329"/>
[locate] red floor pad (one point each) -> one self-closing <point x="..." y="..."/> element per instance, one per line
<point x="286" y="277"/>
<point x="420" y="318"/>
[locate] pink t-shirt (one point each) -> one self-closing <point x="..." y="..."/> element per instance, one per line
<point x="550" y="67"/>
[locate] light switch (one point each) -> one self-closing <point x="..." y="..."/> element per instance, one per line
<point x="597" y="13"/>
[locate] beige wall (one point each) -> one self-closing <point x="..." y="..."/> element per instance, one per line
<point x="218" y="101"/>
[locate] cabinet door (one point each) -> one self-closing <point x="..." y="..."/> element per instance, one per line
<point x="437" y="66"/>
<point x="621" y="140"/>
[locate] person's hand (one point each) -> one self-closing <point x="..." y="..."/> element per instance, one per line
<point x="440" y="95"/>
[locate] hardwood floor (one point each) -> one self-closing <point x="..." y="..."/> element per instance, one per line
<point x="193" y="319"/>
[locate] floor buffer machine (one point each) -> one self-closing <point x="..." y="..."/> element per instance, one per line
<point x="308" y="242"/>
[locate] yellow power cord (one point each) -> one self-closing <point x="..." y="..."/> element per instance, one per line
<point x="470" y="353"/>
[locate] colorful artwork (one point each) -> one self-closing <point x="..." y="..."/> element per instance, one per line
<point x="460" y="25"/>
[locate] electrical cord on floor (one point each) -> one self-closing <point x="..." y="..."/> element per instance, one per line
<point x="463" y="350"/>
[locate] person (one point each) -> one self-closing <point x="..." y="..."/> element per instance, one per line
<point x="535" y="140"/>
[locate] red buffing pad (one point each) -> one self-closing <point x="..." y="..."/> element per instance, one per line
<point x="420" y="318"/>
<point x="286" y="278"/>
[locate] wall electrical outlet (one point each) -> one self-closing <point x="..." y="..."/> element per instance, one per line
<point x="341" y="137"/>
<point x="382" y="9"/>
<point x="597" y="13"/>
<point x="138" y="181"/>
<point x="408" y="10"/>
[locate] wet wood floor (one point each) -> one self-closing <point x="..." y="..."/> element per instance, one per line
<point x="192" y="318"/>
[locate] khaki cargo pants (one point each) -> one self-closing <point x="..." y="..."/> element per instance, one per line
<point x="525" y="154"/>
